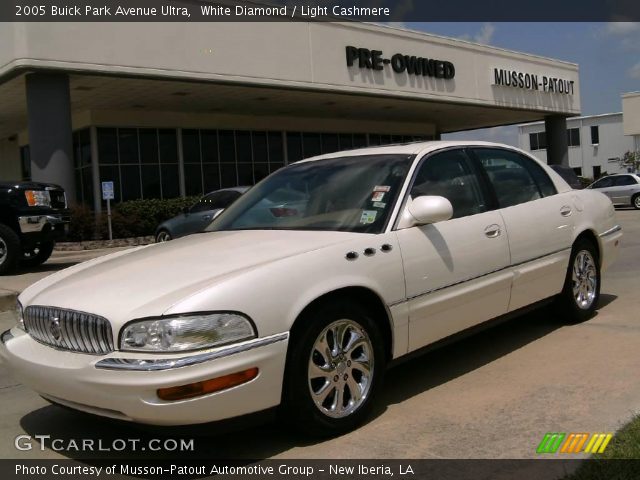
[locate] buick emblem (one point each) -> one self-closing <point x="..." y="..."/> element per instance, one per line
<point x="54" y="328"/>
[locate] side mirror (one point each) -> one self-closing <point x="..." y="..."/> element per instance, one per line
<point x="425" y="210"/>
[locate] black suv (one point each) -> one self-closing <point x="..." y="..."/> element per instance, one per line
<point x="32" y="217"/>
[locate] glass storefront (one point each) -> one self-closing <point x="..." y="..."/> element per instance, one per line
<point x="216" y="159"/>
<point x="144" y="162"/>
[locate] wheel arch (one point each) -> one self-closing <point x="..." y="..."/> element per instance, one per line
<point x="591" y="236"/>
<point x="362" y="296"/>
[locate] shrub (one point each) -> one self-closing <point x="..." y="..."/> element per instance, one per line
<point x="83" y="224"/>
<point x="135" y="218"/>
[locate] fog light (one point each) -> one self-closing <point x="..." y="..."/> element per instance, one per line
<point x="207" y="386"/>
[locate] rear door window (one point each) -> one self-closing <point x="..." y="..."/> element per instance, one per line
<point x="515" y="178"/>
<point x="624" y="180"/>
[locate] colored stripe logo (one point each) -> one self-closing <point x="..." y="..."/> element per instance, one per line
<point x="555" y="442"/>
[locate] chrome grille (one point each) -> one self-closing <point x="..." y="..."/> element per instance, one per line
<point x="69" y="330"/>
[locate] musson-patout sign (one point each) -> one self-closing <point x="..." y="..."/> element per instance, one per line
<point x="532" y="81"/>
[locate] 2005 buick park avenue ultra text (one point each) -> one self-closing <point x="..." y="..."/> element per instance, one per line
<point x="306" y="288"/>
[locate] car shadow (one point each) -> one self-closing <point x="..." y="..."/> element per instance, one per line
<point x="265" y="440"/>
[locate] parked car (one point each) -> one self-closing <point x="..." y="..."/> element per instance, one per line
<point x="568" y="175"/>
<point x="622" y="189"/>
<point x="199" y="216"/>
<point x="32" y="216"/>
<point x="380" y="252"/>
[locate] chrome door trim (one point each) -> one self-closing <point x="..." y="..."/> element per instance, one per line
<point x="413" y="297"/>
<point x="611" y="231"/>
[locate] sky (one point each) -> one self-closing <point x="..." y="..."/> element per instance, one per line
<point x="608" y="55"/>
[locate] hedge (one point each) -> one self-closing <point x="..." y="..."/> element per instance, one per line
<point x="135" y="218"/>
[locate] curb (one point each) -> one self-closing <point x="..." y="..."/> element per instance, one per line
<point x="102" y="244"/>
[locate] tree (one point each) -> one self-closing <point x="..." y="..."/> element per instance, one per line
<point x="631" y="161"/>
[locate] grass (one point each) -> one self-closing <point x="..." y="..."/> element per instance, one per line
<point x="614" y="463"/>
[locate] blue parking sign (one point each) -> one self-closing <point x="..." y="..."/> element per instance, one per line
<point x="107" y="191"/>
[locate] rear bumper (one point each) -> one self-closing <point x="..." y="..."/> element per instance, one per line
<point x="72" y="379"/>
<point x="609" y="246"/>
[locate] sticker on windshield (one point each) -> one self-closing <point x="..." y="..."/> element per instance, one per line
<point x="368" y="216"/>
<point x="381" y="188"/>
<point x="379" y="204"/>
<point x="377" y="196"/>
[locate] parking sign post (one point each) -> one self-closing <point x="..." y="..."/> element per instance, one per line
<point x="108" y="195"/>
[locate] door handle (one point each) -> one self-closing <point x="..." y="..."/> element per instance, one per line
<point x="565" y="211"/>
<point x="493" y="231"/>
<point x="206" y="217"/>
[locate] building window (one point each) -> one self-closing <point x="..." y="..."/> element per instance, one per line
<point x="595" y="135"/>
<point x="577" y="171"/>
<point x="215" y="159"/>
<point x="538" y="141"/>
<point x="597" y="171"/>
<point x="82" y="166"/>
<point x="573" y="137"/>
<point x="142" y="162"/>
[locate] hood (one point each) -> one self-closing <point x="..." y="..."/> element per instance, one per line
<point x="146" y="281"/>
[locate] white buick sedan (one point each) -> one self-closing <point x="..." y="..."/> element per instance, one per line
<point x="305" y="290"/>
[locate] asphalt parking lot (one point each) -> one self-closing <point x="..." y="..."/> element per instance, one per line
<point x="493" y="395"/>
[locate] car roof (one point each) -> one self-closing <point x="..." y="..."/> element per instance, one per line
<point x="232" y="189"/>
<point x="412" y="148"/>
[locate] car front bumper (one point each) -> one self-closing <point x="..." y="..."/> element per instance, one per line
<point x="127" y="389"/>
<point x="38" y="223"/>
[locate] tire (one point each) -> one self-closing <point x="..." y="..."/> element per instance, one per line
<point x="163" y="236"/>
<point x="10" y="249"/>
<point x="581" y="292"/>
<point x="305" y="381"/>
<point x="38" y="255"/>
<point x="635" y="201"/>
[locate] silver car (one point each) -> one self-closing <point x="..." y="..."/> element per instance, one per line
<point x="622" y="189"/>
<point x="199" y="216"/>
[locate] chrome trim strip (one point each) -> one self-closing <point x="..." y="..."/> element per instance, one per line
<point x="611" y="231"/>
<point x="6" y="336"/>
<point x="154" y="364"/>
<point x="477" y="277"/>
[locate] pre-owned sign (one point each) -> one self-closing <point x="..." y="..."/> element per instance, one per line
<point x="400" y="63"/>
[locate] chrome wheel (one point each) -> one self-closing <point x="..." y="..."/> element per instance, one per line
<point x="636" y="202"/>
<point x="163" y="236"/>
<point x="340" y="368"/>
<point x="3" y="251"/>
<point x="585" y="279"/>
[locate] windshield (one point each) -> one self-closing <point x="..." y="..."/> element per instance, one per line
<point x="353" y="194"/>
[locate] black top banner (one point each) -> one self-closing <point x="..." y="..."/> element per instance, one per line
<point x="320" y="10"/>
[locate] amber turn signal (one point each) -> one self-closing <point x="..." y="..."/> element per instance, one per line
<point x="207" y="386"/>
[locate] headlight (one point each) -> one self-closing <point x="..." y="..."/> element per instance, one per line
<point x="186" y="332"/>
<point x="38" y="198"/>
<point x="19" y="315"/>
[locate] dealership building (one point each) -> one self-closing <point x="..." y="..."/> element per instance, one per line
<point x="171" y="109"/>
<point x="596" y="143"/>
